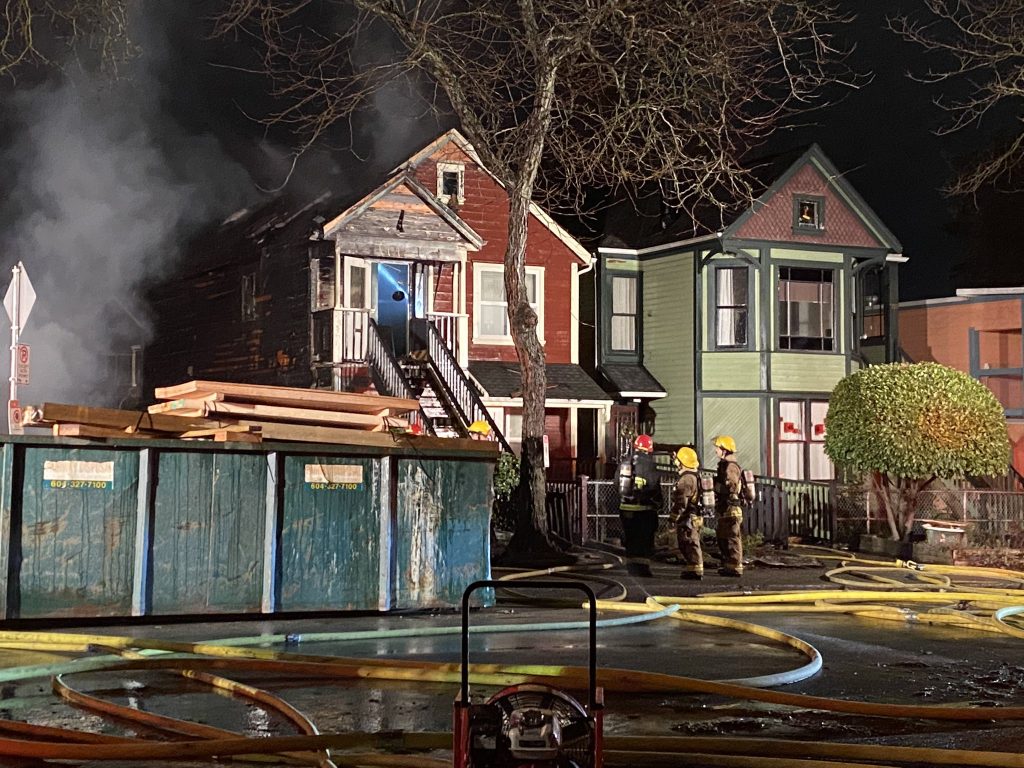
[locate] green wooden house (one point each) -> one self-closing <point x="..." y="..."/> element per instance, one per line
<point x="744" y="327"/>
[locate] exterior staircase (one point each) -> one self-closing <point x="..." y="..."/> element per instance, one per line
<point x="449" y="401"/>
<point x="439" y="412"/>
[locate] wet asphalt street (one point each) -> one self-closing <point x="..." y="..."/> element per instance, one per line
<point x="870" y="660"/>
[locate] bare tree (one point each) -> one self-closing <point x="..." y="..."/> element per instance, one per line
<point x="982" y="42"/>
<point x="607" y="93"/>
<point x="44" y="32"/>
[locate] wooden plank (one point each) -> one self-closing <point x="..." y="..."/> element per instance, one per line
<point x="89" y="430"/>
<point x="224" y="436"/>
<point x="303" y="398"/>
<point x="280" y="413"/>
<point x="193" y="433"/>
<point x="49" y="413"/>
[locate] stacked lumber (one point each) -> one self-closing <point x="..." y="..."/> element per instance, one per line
<point x="246" y="413"/>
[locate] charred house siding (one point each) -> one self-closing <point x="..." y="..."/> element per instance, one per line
<point x="244" y="320"/>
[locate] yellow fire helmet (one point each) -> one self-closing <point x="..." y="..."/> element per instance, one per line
<point x="724" y="442"/>
<point x="688" y="458"/>
<point x="480" y="427"/>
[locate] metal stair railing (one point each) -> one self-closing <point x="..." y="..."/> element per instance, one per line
<point x="389" y="376"/>
<point x="458" y="388"/>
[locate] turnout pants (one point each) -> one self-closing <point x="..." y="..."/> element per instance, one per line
<point x="730" y="539"/>
<point x="688" y="529"/>
<point x="639" y="527"/>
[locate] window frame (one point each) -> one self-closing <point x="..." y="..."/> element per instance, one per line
<point x="818" y="227"/>
<point x="635" y="314"/>
<point x="248" y="295"/>
<point x="460" y="170"/>
<point x="318" y="294"/>
<point x="716" y="265"/>
<point x="777" y="283"/>
<point x="481" y="268"/>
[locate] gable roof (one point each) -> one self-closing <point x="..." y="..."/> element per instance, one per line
<point x="835" y="181"/>
<point x="453" y="136"/>
<point x="736" y="219"/>
<point x="407" y="180"/>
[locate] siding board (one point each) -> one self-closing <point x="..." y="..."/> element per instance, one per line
<point x="738" y="417"/>
<point x="669" y="341"/>
<point x="795" y="372"/>
<point x="731" y="371"/>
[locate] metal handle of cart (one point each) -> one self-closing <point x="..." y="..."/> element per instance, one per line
<point x="553" y="584"/>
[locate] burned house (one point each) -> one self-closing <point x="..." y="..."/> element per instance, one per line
<point x="399" y="290"/>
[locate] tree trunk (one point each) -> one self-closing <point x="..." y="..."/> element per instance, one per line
<point x="530" y="542"/>
<point x="882" y="490"/>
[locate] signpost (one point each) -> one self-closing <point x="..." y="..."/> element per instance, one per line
<point x="18" y="302"/>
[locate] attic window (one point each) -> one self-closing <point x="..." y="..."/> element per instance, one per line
<point x="450" y="186"/>
<point x="808" y="214"/>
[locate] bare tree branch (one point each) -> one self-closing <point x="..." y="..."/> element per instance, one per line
<point x="979" y="42"/>
<point x="560" y="97"/>
<point x="44" y="32"/>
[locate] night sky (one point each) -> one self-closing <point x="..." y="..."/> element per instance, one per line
<point x="882" y="135"/>
<point x="104" y="181"/>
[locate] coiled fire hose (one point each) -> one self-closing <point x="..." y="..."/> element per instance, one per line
<point x="1002" y="607"/>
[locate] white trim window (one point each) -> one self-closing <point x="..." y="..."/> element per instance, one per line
<point x="451" y="183"/>
<point x="624" y="309"/>
<point x="732" y="296"/>
<point x="490" y="310"/>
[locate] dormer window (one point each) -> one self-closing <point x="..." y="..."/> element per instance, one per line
<point x="450" y="183"/>
<point x="808" y="214"/>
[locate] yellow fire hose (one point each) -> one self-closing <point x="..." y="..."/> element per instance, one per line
<point x="614" y="680"/>
<point x="942" y="607"/>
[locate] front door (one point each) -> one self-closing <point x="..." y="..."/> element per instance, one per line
<point x="393" y="305"/>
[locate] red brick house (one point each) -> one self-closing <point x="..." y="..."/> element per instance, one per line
<point x="978" y="331"/>
<point x="400" y="289"/>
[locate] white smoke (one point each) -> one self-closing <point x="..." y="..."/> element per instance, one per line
<point x="100" y="192"/>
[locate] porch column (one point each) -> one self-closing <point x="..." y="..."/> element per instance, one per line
<point x="462" y="320"/>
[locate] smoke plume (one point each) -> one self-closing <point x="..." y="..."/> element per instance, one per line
<point x="102" y="189"/>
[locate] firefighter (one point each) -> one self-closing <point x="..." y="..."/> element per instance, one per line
<point x="640" y="501"/>
<point x="730" y="497"/>
<point x="479" y="430"/>
<point x="687" y="514"/>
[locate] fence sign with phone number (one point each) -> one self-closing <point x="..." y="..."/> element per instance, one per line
<point x="334" y="477"/>
<point x="93" y="475"/>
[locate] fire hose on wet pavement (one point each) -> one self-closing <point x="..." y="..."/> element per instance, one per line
<point x="940" y="598"/>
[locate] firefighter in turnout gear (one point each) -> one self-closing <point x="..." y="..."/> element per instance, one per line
<point x="640" y="500"/>
<point x="731" y="495"/>
<point x="687" y="514"/>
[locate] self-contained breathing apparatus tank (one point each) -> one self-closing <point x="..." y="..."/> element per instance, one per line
<point x="707" y="492"/>
<point x="749" y="488"/>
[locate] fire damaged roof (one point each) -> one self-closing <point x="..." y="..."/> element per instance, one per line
<point x="632" y="381"/>
<point x="566" y="381"/>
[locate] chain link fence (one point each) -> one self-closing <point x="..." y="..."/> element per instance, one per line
<point x="588" y="510"/>
<point x="993" y="519"/>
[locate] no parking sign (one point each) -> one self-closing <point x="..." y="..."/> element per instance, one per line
<point x="14" y="418"/>
<point x="23" y="355"/>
